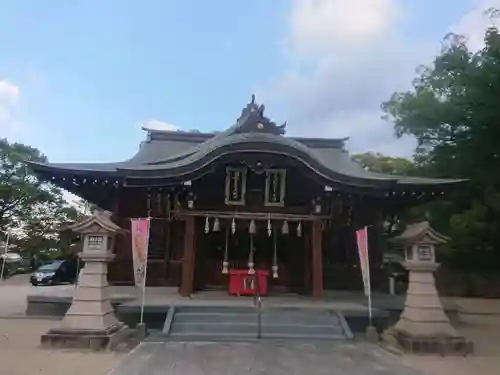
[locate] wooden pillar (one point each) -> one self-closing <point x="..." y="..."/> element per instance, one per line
<point x="186" y="287"/>
<point x="306" y="233"/>
<point x="317" y="260"/>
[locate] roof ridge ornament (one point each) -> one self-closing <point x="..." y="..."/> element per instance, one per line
<point x="252" y="119"/>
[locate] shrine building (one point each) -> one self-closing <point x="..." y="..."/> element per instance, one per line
<point x="247" y="198"/>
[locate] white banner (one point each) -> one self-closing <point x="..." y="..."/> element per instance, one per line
<point x="140" y="244"/>
<point x="364" y="261"/>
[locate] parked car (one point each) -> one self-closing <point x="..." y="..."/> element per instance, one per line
<point x="55" y="272"/>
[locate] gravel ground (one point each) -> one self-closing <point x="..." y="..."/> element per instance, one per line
<point x="484" y="361"/>
<point x="21" y="355"/>
<point x="263" y="358"/>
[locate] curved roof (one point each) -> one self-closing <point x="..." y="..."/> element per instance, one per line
<point x="171" y="154"/>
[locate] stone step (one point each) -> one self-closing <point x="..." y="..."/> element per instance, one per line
<point x="241" y="324"/>
<point x="249" y="328"/>
<point x="242" y="337"/>
<point x="214" y="317"/>
<point x="266" y="315"/>
<point x="215" y="309"/>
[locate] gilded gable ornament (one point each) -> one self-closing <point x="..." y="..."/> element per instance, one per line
<point x="236" y="179"/>
<point x="275" y="187"/>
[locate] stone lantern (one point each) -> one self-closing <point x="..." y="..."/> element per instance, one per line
<point x="90" y="322"/>
<point x="423" y="326"/>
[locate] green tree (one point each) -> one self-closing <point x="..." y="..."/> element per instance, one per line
<point x="380" y="163"/>
<point x="29" y="209"/>
<point x="453" y="113"/>
<point x="18" y="188"/>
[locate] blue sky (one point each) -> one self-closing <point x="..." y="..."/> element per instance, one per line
<point x="78" y="77"/>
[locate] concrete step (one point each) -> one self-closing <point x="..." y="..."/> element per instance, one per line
<point x="267" y="316"/>
<point x="210" y="336"/>
<point x="214" y="309"/>
<point x="240" y="324"/>
<point x="273" y="329"/>
<point x="223" y="328"/>
<point x="238" y="337"/>
<point x="214" y="317"/>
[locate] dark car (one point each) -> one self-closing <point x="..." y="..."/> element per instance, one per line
<point x="55" y="272"/>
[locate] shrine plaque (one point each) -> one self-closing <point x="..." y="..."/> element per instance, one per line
<point x="236" y="179"/>
<point x="94" y="242"/>
<point x="275" y="187"/>
<point x="424" y="253"/>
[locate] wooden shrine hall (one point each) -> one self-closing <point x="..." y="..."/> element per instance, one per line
<point x="247" y="198"/>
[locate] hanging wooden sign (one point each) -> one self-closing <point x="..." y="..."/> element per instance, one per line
<point x="236" y="179"/>
<point x="275" y="187"/>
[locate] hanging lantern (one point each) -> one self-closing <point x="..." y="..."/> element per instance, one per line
<point x="269" y="227"/>
<point x="251" y="264"/>
<point x="190" y="200"/>
<point x="317" y="205"/>
<point x="207" y="225"/>
<point x="251" y="228"/>
<point x="274" y="268"/>
<point x="233" y="226"/>
<point x="299" y="229"/>
<point x="216" y="227"/>
<point x="225" y="262"/>
<point x="275" y="271"/>
<point x="284" y="228"/>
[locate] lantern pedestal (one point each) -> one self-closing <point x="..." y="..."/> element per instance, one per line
<point x="90" y="322"/>
<point x="423" y="326"/>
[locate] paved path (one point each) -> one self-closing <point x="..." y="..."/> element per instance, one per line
<point x="261" y="358"/>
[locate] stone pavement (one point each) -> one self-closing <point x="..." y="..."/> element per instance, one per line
<point x="261" y="358"/>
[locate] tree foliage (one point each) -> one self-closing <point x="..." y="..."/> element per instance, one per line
<point x="377" y="162"/>
<point x="453" y="113"/>
<point x="29" y="209"/>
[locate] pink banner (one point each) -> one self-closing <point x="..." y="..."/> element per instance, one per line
<point x="364" y="261"/>
<point x="140" y="244"/>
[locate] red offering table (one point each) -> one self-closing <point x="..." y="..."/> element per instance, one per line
<point x="241" y="283"/>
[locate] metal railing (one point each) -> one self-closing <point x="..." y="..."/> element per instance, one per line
<point x="257" y="302"/>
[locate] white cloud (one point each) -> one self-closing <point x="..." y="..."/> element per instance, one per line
<point x="158" y="125"/>
<point x="9" y="98"/>
<point x="319" y="25"/>
<point x="4" y="114"/>
<point x="9" y="92"/>
<point x="346" y="58"/>
<point x="474" y="23"/>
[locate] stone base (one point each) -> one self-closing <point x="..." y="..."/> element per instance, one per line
<point x="371" y="334"/>
<point x="141" y="331"/>
<point x="85" y="339"/>
<point x="443" y="345"/>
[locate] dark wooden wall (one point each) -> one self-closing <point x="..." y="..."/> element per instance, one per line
<point x="340" y="258"/>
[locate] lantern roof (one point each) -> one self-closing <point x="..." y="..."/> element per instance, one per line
<point x="419" y="233"/>
<point x="98" y="222"/>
